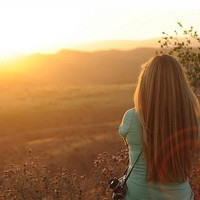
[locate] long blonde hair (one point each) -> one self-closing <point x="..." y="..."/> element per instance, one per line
<point x="168" y="110"/>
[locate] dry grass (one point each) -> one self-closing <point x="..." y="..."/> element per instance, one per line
<point x="68" y="125"/>
<point x="34" y="180"/>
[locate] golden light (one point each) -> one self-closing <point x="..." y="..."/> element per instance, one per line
<point x="29" y="31"/>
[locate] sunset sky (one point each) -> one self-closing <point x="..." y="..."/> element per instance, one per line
<point x="47" y="26"/>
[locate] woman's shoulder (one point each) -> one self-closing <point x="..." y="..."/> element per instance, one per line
<point x="130" y="111"/>
<point x="125" y="123"/>
<point x="129" y="115"/>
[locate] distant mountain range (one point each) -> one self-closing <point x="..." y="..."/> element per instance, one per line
<point x="72" y="67"/>
<point x="124" y="44"/>
<point x="117" y="45"/>
<point x="104" y="62"/>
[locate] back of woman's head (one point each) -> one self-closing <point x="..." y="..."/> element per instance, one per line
<point x="169" y="112"/>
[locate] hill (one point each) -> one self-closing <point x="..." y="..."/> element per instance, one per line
<point x="76" y="67"/>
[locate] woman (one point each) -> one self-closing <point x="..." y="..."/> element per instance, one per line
<point x="164" y="124"/>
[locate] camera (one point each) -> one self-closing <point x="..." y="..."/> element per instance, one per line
<point x="119" y="188"/>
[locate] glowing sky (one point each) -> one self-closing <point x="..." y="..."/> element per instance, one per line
<point x="46" y="26"/>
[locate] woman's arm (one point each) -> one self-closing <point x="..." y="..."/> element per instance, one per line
<point x="125" y="124"/>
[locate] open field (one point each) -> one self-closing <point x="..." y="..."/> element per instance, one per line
<point x="67" y="125"/>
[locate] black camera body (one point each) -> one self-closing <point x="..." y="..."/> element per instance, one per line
<point x="119" y="188"/>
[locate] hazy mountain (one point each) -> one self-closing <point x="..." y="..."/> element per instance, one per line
<point x="76" y="67"/>
<point x="125" y="44"/>
<point x="117" y="45"/>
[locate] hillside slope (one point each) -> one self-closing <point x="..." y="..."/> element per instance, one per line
<point x="76" y="67"/>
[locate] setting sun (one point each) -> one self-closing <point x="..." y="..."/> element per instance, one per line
<point x="42" y="31"/>
<point x="26" y="29"/>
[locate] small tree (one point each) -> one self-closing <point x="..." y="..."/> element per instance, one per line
<point x="187" y="50"/>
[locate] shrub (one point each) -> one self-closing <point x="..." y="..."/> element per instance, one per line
<point x="187" y="51"/>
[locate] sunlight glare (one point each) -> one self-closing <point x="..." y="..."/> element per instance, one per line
<point x="30" y="31"/>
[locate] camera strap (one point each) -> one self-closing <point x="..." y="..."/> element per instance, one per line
<point x="132" y="167"/>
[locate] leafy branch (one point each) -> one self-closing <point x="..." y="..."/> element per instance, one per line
<point x="187" y="51"/>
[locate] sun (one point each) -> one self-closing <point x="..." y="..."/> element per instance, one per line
<point x="28" y="31"/>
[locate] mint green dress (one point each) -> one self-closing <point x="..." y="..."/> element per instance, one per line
<point x="138" y="187"/>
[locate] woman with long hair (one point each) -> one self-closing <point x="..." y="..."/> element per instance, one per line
<point x="164" y="124"/>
